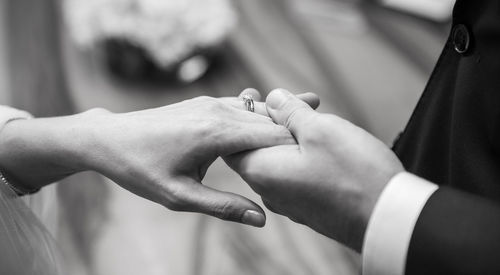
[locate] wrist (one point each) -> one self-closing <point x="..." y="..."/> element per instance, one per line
<point x="372" y="196"/>
<point x="364" y="199"/>
<point x="92" y="147"/>
<point x="36" y="152"/>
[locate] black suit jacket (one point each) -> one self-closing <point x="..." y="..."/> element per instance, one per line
<point x="453" y="139"/>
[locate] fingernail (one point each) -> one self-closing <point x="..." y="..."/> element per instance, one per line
<point x="254" y="218"/>
<point x="276" y="98"/>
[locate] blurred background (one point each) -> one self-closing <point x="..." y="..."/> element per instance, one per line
<point x="367" y="60"/>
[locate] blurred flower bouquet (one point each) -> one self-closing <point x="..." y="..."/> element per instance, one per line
<point x="141" y="38"/>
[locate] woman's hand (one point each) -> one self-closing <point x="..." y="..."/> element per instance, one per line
<point x="160" y="154"/>
<point x="163" y="154"/>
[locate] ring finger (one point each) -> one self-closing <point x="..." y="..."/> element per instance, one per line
<point x="260" y="107"/>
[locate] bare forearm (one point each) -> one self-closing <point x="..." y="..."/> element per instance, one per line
<point x="37" y="152"/>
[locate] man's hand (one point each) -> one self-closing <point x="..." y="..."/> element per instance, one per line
<point x="329" y="181"/>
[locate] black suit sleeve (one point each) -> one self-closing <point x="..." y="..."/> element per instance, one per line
<point x="456" y="233"/>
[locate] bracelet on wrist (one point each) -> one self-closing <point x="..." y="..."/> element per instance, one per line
<point x="20" y="191"/>
<point x="7" y="115"/>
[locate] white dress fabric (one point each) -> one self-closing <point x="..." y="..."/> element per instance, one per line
<point x="27" y="224"/>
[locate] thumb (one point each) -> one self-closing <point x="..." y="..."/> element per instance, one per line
<point x="288" y="110"/>
<point x="195" y="197"/>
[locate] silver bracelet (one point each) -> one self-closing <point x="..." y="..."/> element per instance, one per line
<point x="18" y="190"/>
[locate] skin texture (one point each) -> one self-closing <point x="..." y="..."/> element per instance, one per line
<point x="160" y="154"/>
<point x="330" y="180"/>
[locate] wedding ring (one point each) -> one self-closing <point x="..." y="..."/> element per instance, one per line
<point x="249" y="104"/>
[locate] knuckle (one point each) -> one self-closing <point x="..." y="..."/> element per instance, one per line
<point x="292" y="117"/>
<point x="208" y="129"/>
<point x="175" y="200"/>
<point x="177" y="204"/>
<point x="97" y="111"/>
<point x="217" y="106"/>
<point x="201" y="102"/>
<point x="216" y="124"/>
<point x="204" y="98"/>
<point x="224" y="211"/>
<point x="210" y="105"/>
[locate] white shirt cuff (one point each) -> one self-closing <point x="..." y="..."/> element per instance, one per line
<point x="391" y="224"/>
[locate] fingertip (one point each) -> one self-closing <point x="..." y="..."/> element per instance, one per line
<point x="254" y="218"/>
<point x="276" y="97"/>
<point x="254" y="93"/>
<point x="278" y="92"/>
<point x="224" y="205"/>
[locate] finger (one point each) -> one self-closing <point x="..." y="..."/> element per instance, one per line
<point x="237" y="102"/>
<point x="311" y="99"/>
<point x="260" y="107"/>
<point x="266" y="171"/>
<point x="288" y="110"/>
<point x="250" y="135"/>
<point x="251" y="92"/>
<point x="271" y="164"/>
<point x="195" y="197"/>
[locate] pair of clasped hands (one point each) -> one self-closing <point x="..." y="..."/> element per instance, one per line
<point x="317" y="169"/>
